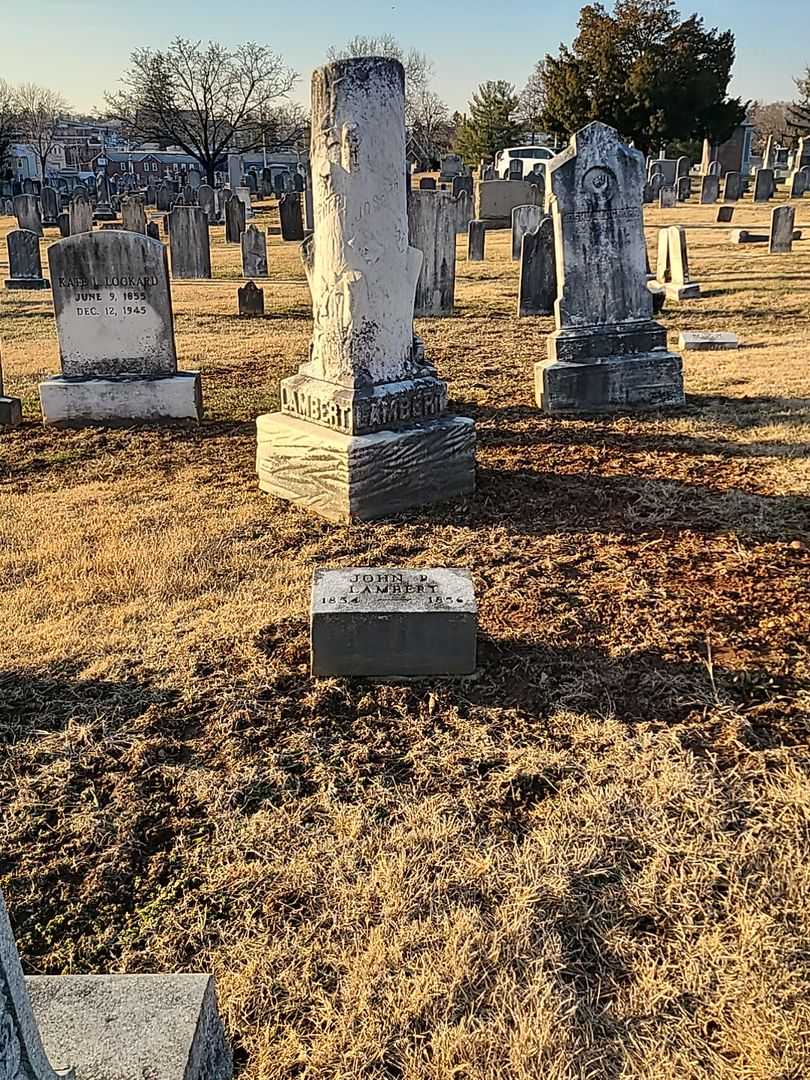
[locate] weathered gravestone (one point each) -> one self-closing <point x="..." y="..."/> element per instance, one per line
<point x="152" y="230"/>
<point x="133" y="214"/>
<point x="24" y="261"/>
<point x="666" y="197"/>
<point x="81" y="213"/>
<point x="683" y="167"/>
<point x="104" y="210"/>
<point x="462" y="209"/>
<point x="537" y="288"/>
<point x="387" y="622"/>
<point x="706" y="340"/>
<point x="116" y="334"/>
<point x="780" y="241"/>
<point x="107" y="1027"/>
<point x="189" y="195"/>
<point x="796" y="181"/>
<point x="165" y="197"/>
<point x="289" y="212"/>
<point x="28" y="186"/>
<point x="427" y="183"/>
<point x="206" y="199"/>
<point x="27" y="212"/>
<point x="50" y="205"/>
<point x="234" y="171"/>
<point x="731" y="187"/>
<point x="607" y="352"/>
<point x="189" y="243"/>
<point x="524" y="219"/>
<point x="715" y="169"/>
<point x="709" y="189"/>
<point x="432" y="230"/>
<point x="763" y="185"/>
<point x="656" y="182"/>
<point x="10" y="416"/>
<point x="194" y="179"/>
<point x="476" y="241"/>
<point x="234" y="220"/>
<point x="496" y="199"/>
<point x="254" y="253"/>
<point x="251" y="300"/>
<point x="672" y="271"/>
<point x="462" y="183"/>
<point x="724" y="214"/>
<point x="515" y="168"/>
<point x="362" y="431"/>
<point x="683" y="188"/>
<point x="63" y="221"/>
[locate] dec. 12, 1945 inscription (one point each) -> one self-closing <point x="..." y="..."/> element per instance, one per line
<point x="113" y="305"/>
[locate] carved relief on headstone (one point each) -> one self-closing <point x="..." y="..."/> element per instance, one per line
<point x="607" y="352"/>
<point x="362" y="431"/>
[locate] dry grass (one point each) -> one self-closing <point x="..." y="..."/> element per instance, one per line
<point x="591" y="861"/>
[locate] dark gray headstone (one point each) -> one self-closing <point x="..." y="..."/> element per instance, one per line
<point x="516" y="169"/>
<point x="63" y="221"/>
<point x="462" y="183"/>
<point x="537" y="288"/>
<point x="50" y="204"/>
<point x="254" y="253"/>
<point x="476" y="240"/>
<point x="683" y="188"/>
<point x="24" y="261"/>
<point x="432" y="230"/>
<point x="725" y="214"/>
<point x="153" y="230"/>
<point x="289" y="212"/>
<point x="165" y="197"/>
<point x="251" y="299"/>
<point x="763" y="185"/>
<point x="81" y="213"/>
<point x="390" y="622"/>
<point x="709" y="189"/>
<point x="206" y="200"/>
<point x="189" y="243"/>
<point x="781" y="235"/>
<point x="133" y="214"/>
<point x="731" y="187"/>
<point x="234" y="220"/>
<point x="28" y="214"/>
<point x="427" y="183"/>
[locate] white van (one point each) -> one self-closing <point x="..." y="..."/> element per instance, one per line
<point x="531" y="156"/>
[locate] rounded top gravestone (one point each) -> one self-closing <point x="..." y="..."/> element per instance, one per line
<point x="113" y="305"/>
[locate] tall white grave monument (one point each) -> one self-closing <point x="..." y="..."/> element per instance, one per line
<point x="362" y="431"/>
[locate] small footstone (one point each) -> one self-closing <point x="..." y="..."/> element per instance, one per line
<point x="393" y="622"/>
<point x="251" y="300"/>
<point x="725" y="214"/>
<point x="704" y="341"/>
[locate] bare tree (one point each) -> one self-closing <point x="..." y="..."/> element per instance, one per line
<point x="771" y="118"/>
<point x="418" y="67"/>
<point x="431" y="126"/>
<point x="9" y="120"/>
<point x="206" y="98"/>
<point x="40" y="112"/>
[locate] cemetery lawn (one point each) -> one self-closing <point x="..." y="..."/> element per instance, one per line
<point x="589" y="861"/>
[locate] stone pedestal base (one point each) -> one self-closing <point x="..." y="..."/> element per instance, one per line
<point x="131" y="1026"/>
<point x="362" y="477"/>
<point x="682" y="292"/>
<point x="104" y="213"/>
<point x="28" y="283"/>
<point x="10" y="411"/>
<point x="648" y="380"/>
<point x="128" y="399"/>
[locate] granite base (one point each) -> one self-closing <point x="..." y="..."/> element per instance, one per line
<point x="127" y="399"/>
<point x="10" y="411"/>
<point x="650" y="380"/>
<point x="27" y="283"/>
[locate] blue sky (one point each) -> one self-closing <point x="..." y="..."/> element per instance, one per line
<point x="81" y="46"/>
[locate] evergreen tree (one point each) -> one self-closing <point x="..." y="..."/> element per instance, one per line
<point x="798" y="112"/>
<point x="489" y="125"/>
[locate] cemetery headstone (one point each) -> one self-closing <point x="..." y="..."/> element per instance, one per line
<point x="427" y="183"/>
<point x="537" y="288"/>
<point x="254" y="253"/>
<point x="462" y="183"/>
<point x="516" y="168"/>
<point x="683" y="166"/>
<point x="103" y="210"/>
<point x="153" y="230"/>
<point x="781" y="235"/>
<point x="279" y="184"/>
<point x="63" y="221"/>
<point x="289" y="212"/>
<point x="656" y="182"/>
<point x="10" y="416"/>
<point x="673" y="265"/>
<point x="432" y="230"/>
<point x="165" y="197"/>
<point x="463" y="210"/>
<point x="731" y="187"/>
<point x="251" y="300"/>
<point x="244" y="194"/>
<point x="27" y="212"/>
<point x="234" y="171"/>
<point x="206" y="200"/>
<point x="234" y="220"/>
<point x="763" y="185"/>
<point x="683" y="188"/>
<point x="298" y="182"/>
<point x="133" y="214"/>
<point x="496" y="199"/>
<point x="796" y="181"/>
<point x="363" y="431"/>
<point x="194" y="179"/>
<point x="115" y="328"/>
<point x="389" y="622"/>
<point x="28" y="186"/>
<point x="706" y="340"/>
<point x="24" y="261"/>
<point x="725" y="214"/>
<point x="123" y="1026"/>
<point x="607" y="352"/>
<point x="709" y="189"/>
<point x="476" y="241"/>
<point x="524" y="219"/>
<point x="769" y="156"/>
<point x="666" y="197"/>
<point x="50" y="205"/>
<point x="189" y="243"/>
<point x="81" y="213"/>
